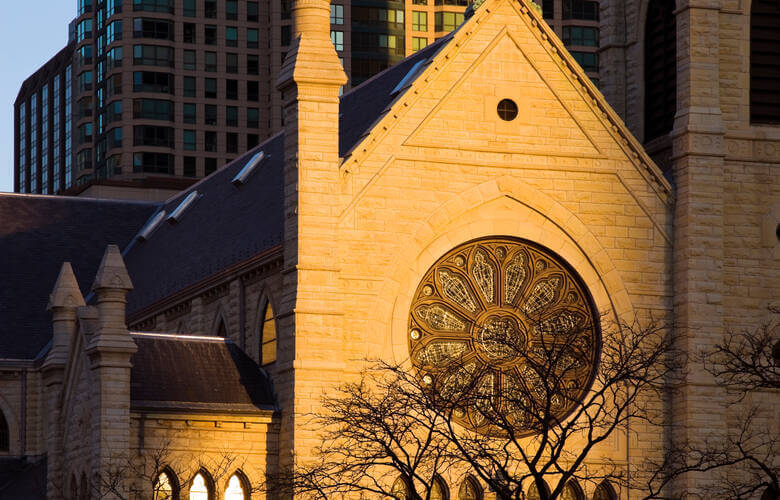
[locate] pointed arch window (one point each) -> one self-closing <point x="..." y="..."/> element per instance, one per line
<point x="470" y="490"/>
<point x="200" y="488"/>
<point x="604" y="491"/>
<point x="221" y="329"/>
<point x="237" y="488"/>
<point x="400" y="490"/>
<point x="439" y="489"/>
<point x="764" y="61"/>
<point x="533" y="491"/>
<point x="5" y="435"/>
<point x="165" y="486"/>
<point x="660" y="69"/>
<point x="74" y="488"/>
<point x="267" y="334"/>
<point x="84" y="492"/>
<point x="572" y="491"/>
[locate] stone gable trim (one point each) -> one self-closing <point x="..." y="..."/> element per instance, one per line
<point x="415" y="141"/>
<point x="553" y="45"/>
<point x="187" y="407"/>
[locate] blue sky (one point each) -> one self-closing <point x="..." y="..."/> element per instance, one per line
<point x="31" y="31"/>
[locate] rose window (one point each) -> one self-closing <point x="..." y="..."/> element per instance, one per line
<point x="503" y="328"/>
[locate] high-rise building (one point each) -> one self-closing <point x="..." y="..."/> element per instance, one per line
<point x="150" y="95"/>
<point x="576" y="22"/>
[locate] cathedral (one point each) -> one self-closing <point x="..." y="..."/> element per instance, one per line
<point x="181" y="343"/>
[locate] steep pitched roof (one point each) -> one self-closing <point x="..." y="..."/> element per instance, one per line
<point x="365" y="104"/>
<point x="224" y="225"/>
<point x="182" y="372"/>
<point x="228" y="224"/>
<point x="38" y="234"/>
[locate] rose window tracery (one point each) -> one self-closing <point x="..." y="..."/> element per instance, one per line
<point x="493" y="322"/>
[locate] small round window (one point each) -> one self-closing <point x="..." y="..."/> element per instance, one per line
<point x="507" y="110"/>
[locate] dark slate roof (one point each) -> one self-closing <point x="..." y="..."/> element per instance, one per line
<point x="39" y="233"/>
<point x="365" y="104"/>
<point x="20" y="478"/>
<point x="177" y="371"/>
<point x="226" y="225"/>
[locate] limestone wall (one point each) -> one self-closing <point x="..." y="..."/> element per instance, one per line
<point x="186" y="443"/>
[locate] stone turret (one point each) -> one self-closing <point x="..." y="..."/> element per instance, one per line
<point x="310" y="310"/>
<point x="64" y="301"/>
<point x="110" y="349"/>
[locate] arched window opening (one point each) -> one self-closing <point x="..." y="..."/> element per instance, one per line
<point x="533" y="491"/>
<point x="470" y="490"/>
<point x="237" y="488"/>
<point x="5" y="435"/>
<point x="267" y="334"/>
<point x="400" y="490"/>
<point x="572" y="491"/>
<point x="439" y="489"/>
<point x="221" y="329"/>
<point x="200" y="488"/>
<point x="764" y="61"/>
<point x="604" y="491"/>
<point x="165" y="486"/>
<point x="660" y="69"/>
<point x="74" y="488"/>
<point x="84" y="488"/>
<point x="770" y="494"/>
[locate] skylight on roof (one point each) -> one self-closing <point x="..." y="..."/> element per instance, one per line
<point x="407" y="79"/>
<point x="246" y="171"/>
<point x="177" y="214"/>
<point x="147" y="231"/>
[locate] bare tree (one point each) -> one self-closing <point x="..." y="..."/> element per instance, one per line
<point x="381" y="438"/>
<point x="744" y="462"/>
<point x="537" y="424"/>
<point x="156" y="471"/>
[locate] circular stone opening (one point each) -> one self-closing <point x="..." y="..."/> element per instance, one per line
<point x="507" y="110"/>
<point x="490" y="313"/>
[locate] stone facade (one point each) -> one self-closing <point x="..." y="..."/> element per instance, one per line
<point x="437" y="169"/>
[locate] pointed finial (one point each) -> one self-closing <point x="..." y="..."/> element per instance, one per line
<point x="112" y="272"/>
<point x="66" y="292"/>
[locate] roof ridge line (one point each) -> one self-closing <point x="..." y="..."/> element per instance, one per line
<point x="77" y="198"/>
<point x="184" y="337"/>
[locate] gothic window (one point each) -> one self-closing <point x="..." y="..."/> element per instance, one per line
<point x="487" y="320"/>
<point x="84" y="493"/>
<point x="201" y="487"/>
<point x="4" y="434"/>
<point x="400" y="490"/>
<point x="237" y="488"/>
<point x="165" y="486"/>
<point x="470" y="490"/>
<point x="221" y="329"/>
<point x="267" y="334"/>
<point x="439" y="490"/>
<point x="764" y="61"/>
<point x="769" y="494"/>
<point x="572" y="491"/>
<point x="74" y="488"/>
<point x="604" y="491"/>
<point x="533" y="491"/>
<point x="660" y="69"/>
